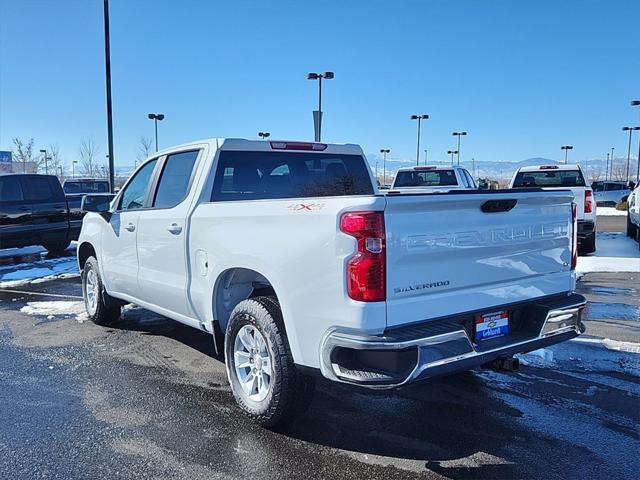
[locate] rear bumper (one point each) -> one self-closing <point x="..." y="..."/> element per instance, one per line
<point x="585" y="228"/>
<point x="443" y="347"/>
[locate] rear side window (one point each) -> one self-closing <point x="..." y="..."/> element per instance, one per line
<point x="265" y="175"/>
<point x="470" y="180"/>
<point x="135" y="192"/>
<point x="10" y="189"/>
<point x="432" y="178"/>
<point x="549" y="178"/>
<point x="40" y="189"/>
<point x="174" y="180"/>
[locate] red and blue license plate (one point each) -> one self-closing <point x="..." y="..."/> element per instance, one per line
<point x="492" y="325"/>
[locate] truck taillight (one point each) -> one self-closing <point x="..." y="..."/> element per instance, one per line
<point x="574" y="236"/>
<point x="588" y="201"/>
<point x="366" y="275"/>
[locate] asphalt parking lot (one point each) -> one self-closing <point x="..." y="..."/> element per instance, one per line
<point x="149" y="399"/>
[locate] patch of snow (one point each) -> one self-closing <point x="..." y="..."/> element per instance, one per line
<point x="542" y="357"/>
<point x="610" y="212"/>
<point x="53" y="308"/>
<point x="615" y="252"/>
<point x="40" y="270"/>
<point x="617" y="345"/>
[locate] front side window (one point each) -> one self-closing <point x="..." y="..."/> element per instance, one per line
<point x="40" y="189"/>
<point x="10" y="190"/>
<point x="134" y="193"/>
<point x="271" y="175"/>
<point x="174" y="180"/>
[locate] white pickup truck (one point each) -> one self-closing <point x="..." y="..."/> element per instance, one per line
<point x="433" y="178"/>
<point x="289" y="256"/>
<point x="565" y="177"/>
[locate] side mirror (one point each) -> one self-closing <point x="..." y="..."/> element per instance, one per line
<point x="98" y="203"/>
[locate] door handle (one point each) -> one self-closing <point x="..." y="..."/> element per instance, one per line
<point x="23" y="209"/>
<point x="130" y="227"/>
<point x="174" y="228"/>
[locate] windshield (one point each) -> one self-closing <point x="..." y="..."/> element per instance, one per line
<point x="86" y="187"/>
<point x="549" y="178"/>
<point x="433" y="178"/>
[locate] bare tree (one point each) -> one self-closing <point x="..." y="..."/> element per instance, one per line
<point x="56" y="163"/>
<point x="22" y="152"/>
<point x="144" y="149"/>
<point x="88" y="162"/>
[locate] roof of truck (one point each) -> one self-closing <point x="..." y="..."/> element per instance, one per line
<point x="271" y="146"/>
<point x="537" y="168"/>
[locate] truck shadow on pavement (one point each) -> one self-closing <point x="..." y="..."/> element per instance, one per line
<point x="455" y="426"/>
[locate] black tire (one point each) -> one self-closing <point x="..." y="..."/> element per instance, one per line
<point x="106" y="310"/>
<point x="631" y="228"/>
<point x="588" y="245"/>
<point x="289" y="392"/>
<point x="57" y="247"/>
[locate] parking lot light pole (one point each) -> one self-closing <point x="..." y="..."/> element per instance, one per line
<point x="566" y="149"/>
<point x="156" y="117"/>
<point x="426" y="156"/>
<point x="317" y="116"/>
<point x="384" y="152"/>
<point x="46" y="167"/>
<point x="606" y="170"/>
<point x="452" y="153"/>
<point x="636" y="103"/>
<point x="419" y="118"/>
<point x="458" y="134"/>
<point x="73" y="168"/>
<point x="264" y="135"/>
<point x="107" y="66"/>
<point x="630" y="130"/>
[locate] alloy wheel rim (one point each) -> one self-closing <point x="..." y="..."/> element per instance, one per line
<point x="252" y="363"/>
<point x="91" y="290"/>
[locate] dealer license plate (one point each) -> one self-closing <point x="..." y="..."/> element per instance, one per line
<point x="491" y="325"/>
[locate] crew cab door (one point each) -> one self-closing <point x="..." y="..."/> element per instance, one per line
<point x="119" y="261"/>
<point x="49" y="213"/>
<point x="15" y="213"/>
<point x="162" y="233"/>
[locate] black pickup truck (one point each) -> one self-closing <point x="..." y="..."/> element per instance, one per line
<point x="35" y="211"/>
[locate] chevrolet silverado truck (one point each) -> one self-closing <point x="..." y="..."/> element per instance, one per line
<point x="565" y="177"/>
<point x="287" y="254"/>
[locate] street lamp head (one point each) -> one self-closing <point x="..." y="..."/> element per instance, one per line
<point x="384" y="150"/>
<point x="151" y="116"/>
<point x="264" y="134"/>
<point x="160" y="116"/>
<point x="43" y="151"/>
<point x="566" y="147"/>
<point x="420" y="117"/>
<point x="328" y="75"/>
<point x="312" y="76"/>
<point x="463" y="133"/>
<point x="635" y="103"/>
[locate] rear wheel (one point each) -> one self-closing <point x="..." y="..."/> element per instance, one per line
<point x="260" y="367"/>
<point x="57" y="247"/>
<point x="101" y="308"/>
<point x="588" y="245"/>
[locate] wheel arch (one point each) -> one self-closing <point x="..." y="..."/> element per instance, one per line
<point x="85" y="250"/>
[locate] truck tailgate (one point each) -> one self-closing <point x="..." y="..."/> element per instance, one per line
<point x="445" y="255"/>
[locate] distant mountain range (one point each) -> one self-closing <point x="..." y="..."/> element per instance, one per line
<point x="495" y="170"/>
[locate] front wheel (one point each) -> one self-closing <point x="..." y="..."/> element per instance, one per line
<point x="263" y="377"/>
<point x="101" y="308"/>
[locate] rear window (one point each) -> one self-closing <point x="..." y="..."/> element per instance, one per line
<point x="86" y="187"/>
<point x="549" y="178"/>
<point x="433" y="178"/>
<point x="266" y="175"/>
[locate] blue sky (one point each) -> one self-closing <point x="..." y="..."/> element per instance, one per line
<point x="522" y="77"/>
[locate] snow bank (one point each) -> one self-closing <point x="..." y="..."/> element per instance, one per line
<point x="610" y="212"/>
<point x="615" y="252"/>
